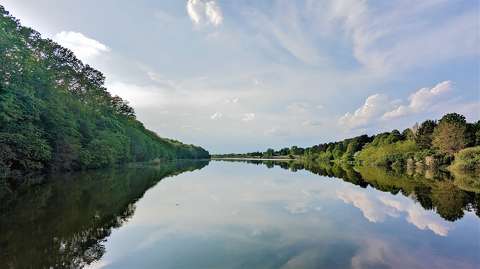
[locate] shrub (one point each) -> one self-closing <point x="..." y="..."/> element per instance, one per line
<point x="387" y="154"/>
<point x="467" y="159"/>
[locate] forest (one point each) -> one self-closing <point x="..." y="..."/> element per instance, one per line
<point x="57" y="115"/>
<point x="449" y="142"/>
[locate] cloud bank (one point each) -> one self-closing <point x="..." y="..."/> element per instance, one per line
<point x="421" y="100"/>
<point x="380" y="107"/>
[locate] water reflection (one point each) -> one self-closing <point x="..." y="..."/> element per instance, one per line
<point x="450" y="196"/>
<point x="236" y="215"/>
<point x="63" y="222"/>
<point x="378" y="208"/>
<point x="233" y="215"/>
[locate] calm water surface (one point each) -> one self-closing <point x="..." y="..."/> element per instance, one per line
<point x="239" y="215"/>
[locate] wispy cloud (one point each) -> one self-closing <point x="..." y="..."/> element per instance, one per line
<point x="204" y="12"/>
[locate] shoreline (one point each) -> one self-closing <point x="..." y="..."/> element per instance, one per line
<point x="252" y="159"/>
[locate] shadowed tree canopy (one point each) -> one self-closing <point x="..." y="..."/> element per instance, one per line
<point x="423" y="136"/>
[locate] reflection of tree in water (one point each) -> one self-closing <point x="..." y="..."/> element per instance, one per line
<point x="63" y="223"/>
<point x="438" y="191"/>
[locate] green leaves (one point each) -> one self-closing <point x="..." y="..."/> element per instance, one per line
<point x="56" y="114"/>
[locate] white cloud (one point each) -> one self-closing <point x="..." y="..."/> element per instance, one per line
<point x="204" y="12"/>
<point x="248" y="117"/>
<point x="216" y="116"/>
<point x="214" y="13"/>
<point x="85" y="48"/>
<point x="421" y="100"/>
<point x="379" y="107"/>
<point x="374" y="107"/>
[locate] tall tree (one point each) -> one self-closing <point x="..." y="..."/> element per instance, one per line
<point x="450" y="134"/>
<point x="423" y="136"/>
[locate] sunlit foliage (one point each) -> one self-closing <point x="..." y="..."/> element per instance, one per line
<point x="56" y="114"/>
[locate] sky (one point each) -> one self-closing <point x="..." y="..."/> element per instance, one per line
<point x="247" y="75"/>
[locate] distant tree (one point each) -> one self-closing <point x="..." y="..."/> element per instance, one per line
<point x="284" y="152"/>
<point x="394" y="136"/>
<point x="450" y="134"/>
<point x="269" y="153"/>
<point x="408" y="134"/>
<point x="296" y="150"/>
<point x="423" y="137"/>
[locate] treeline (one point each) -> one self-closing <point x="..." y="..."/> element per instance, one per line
<point x="451" y="140"/>
<point x="56" y="114"/>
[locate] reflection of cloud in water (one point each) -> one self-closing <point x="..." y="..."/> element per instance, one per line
<point x="376" y="208"/>
<point x="373" y="209"/>
<point x="270" y="219"/>
<point x="297" y="207"/>
<point x="376" y="253"/>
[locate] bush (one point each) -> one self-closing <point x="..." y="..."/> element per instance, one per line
<point x="467" y="159"/>
<point x="387" y="154"/>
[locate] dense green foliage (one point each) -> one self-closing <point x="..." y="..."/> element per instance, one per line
<point x="388" y="154"/>
<point x="429" y="145"/>
<point x="467" y="159"/>
<point x="56" y="114"/>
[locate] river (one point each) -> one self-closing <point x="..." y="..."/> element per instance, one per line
<point x="222" y="214"/>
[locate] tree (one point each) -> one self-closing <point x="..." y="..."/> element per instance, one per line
<point x="269" y="153"/>
<point x="472" y="134"/>
<point x="477" y="133"/>
<point x="294" y="150"/>
<point x="56" y="114"/>
<point x="284" y="151"/>
<point x="408" y="134"/>
<point x="450" y="134"/>
<point x="423" y="137"/>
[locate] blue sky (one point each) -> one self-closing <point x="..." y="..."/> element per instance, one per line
<point x="236" y="76"/>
